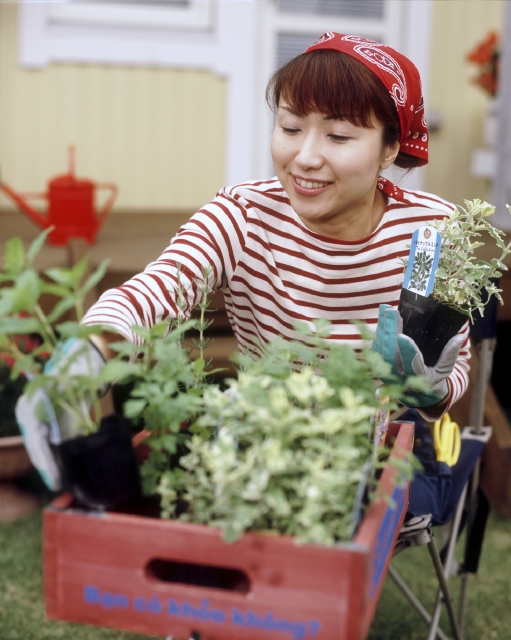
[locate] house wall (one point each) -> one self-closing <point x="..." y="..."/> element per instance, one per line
<point x="458" y="25"/>
<point x="157" y="133"/>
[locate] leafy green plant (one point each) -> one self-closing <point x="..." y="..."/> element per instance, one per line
<point x="21" y="313"/>
<point x="166" y="392"/>
<point x="286" y="448"/>
<point x="462" y="278"/>
<point x="167" y="383"/>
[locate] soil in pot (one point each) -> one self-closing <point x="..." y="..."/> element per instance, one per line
<point x="101" y="469"/>
<point x="429" y="323"/>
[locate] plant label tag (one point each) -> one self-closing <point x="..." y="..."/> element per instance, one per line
<point x="423" y="261"/>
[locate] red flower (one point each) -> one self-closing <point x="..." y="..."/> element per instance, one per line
<point x="486" y="55"/>
<point x="5" y="357"/>
<point x="483" y="53"/>
<point x="25" y="344"/>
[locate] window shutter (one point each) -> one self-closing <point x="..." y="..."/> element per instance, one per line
<point x="289" y="45"/>
<point x="370" y="9"/>
<point x="162" y="3"/>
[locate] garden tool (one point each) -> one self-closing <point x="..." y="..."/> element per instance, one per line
<point x="447" y="440"/>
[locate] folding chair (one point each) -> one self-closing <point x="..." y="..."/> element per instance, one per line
<point x="465" y="505"/>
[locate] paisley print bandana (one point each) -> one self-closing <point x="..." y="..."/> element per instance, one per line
<point x="401" y="79"/>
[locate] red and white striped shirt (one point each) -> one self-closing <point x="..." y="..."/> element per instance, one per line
<point x="274" y="271"/>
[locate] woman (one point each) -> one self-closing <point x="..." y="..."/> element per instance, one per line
<point x="324" y="238"/>
<point x="321" y="240"/>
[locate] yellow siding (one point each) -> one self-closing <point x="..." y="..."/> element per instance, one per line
<point x="157" y="133"/>
<point x="458" y="25"/>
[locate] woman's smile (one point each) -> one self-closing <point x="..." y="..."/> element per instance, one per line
<point x="308" y="186"/>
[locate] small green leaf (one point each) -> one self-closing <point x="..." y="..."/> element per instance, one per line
<point x="37" y="245"/>
<point x="120" y="371"/>
<point x="61" y="275"/>
<point x="134" y="408"/>
<point x="54" y="289"/>
<point x="95" y="277"/>
<point x="22" y="326"/>
<point x="60" y="309"/>
<point x="77" y="271"/>
<point x="26" y="291"/>
<point x="14" y="256"/>
<point x="198" y="367"/>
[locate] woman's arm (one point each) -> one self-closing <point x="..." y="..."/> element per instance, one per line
<point x="208" y="245"/>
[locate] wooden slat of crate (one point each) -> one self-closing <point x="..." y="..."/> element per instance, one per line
<point x="96" y="573"/>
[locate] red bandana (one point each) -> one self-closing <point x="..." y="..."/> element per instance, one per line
<point x="400" y="77"/>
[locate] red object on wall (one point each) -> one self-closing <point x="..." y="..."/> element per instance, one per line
<point x="71" y="207"/>
<point x="166" y="577"/>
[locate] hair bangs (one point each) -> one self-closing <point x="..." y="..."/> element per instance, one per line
<point x="338" y="86"/>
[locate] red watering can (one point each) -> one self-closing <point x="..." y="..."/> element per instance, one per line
<point x="70" y="210"/>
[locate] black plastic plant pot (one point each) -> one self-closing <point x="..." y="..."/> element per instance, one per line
<point x="101" y="469"/>
<point x="430" y="324"/>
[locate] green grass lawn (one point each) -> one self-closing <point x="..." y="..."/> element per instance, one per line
<point x="22" y="609"/>
<point x="489" y="593"/>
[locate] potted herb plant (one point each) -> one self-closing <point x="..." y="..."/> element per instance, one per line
<point x="284" y="455"/>
<point x="61" y="396"/>
<point x="463" y="282"/>
<point x="273" y="414"/>
<point x="286" y="450"/>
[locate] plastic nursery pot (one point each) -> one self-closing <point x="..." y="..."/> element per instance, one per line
<point x="430" y="324"/>
<point x="101" y="469"/>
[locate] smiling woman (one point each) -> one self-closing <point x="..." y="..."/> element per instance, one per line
<point x="324" y="240"/>
<point x="337" y="128"/>
<point x="325" y="237"/>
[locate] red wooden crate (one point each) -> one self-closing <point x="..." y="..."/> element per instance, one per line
<point x="100" y="569"/>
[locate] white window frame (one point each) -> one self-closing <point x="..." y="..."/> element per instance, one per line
<point x="196" y="15"/>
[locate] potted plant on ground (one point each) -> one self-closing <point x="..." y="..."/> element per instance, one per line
<point x="463" y="283"/>
<point x="14" y="460"/>
<point x="62" y="394"/>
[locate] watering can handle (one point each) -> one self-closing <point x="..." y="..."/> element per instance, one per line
<point x="109" y="203"/>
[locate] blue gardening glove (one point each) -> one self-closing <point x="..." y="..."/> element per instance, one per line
<point x="406" y="360"/>
<point x="82" y="358"/>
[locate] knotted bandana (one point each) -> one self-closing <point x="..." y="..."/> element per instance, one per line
<point x="399" y="76"/>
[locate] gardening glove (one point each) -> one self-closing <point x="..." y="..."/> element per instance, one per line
<point x="406" y="360"/>
<point x="39" y="432"/>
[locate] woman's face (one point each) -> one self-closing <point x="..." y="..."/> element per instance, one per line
<point x="329" y="168"/>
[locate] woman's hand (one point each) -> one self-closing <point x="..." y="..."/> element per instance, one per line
<point x="406" y="360"/>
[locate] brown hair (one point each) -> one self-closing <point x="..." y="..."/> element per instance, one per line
<point x="337" y="85"/>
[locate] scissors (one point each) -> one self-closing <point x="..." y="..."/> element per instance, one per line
<point x="447" y="440"/>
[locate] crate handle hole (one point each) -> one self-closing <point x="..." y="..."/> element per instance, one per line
<point x="198" y="575"/>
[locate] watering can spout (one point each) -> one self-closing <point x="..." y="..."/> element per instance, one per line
<point x="21" y="202"/>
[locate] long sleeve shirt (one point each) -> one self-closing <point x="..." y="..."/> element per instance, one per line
<point x="274" y="271"/>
